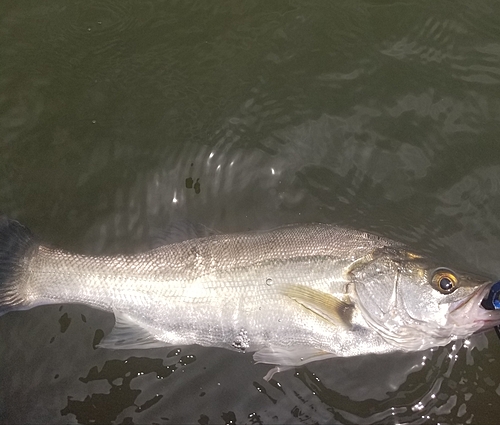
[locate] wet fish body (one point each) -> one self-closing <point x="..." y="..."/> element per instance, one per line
<point x="291" y="295"/>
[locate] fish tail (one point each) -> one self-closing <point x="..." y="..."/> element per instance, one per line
<point x="16" y="244"/>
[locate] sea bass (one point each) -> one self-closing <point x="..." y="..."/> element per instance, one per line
<point x="292" y="295"/>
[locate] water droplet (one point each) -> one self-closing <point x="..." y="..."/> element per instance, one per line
<point x="269" y="281"/>
<point x="174" y="352"/>
<point x="241" y="341"/>
<point x="185" y="360"/>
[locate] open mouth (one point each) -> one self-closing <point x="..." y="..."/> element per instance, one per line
<point x="492" y="299"/>
<point x="481" y="308"/>
<point x="492" y="302"/>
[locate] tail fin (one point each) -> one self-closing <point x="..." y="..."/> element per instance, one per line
<point x="16" y="243"/>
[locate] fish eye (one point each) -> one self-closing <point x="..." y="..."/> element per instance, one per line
<point x="445" y="281"/>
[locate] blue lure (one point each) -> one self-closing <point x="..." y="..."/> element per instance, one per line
<point x="492" y="301"/>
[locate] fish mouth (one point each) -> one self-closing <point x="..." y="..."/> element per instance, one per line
<point x="490" y="303"/>
<point x="492" y="299"/>
<point x="481" y="308"/>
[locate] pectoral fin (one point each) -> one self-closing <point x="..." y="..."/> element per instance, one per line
<point x="289" y="357"/>
<point x="129" y="333"/>
<point x="325" y="305"/>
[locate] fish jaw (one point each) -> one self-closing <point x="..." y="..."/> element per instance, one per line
<point x="471" y="316"/>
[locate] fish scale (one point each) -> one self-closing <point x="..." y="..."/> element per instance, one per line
<point x="222" y="285"/>
<point x="295" y="294"/>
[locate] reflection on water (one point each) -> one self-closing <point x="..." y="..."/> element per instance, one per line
<point x="405" y="388"/>
<point x="118" y="118"/>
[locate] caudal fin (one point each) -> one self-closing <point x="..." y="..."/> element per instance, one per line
<point x="16" y="243"/>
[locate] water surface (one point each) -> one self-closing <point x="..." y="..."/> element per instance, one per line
<point x="120" y="117"/>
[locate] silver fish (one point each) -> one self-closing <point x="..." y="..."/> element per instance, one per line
<point x="292" y="295"/>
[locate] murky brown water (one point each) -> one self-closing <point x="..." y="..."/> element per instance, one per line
<point x="119" y="117"/>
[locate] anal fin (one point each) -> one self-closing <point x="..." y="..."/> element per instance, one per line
<point x="289" y="357"/>
<point x="129" y="333"/>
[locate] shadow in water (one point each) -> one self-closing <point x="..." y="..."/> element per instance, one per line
<point x="105" y="407"/>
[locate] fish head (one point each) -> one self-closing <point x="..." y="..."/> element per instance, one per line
<point x="415" y="303"/>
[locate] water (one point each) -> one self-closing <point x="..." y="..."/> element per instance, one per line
<point x="119" y="117"/>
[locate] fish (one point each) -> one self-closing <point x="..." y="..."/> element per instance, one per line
<point x="292" y="295"/>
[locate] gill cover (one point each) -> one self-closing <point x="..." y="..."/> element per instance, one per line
<point x="414" y="303"/>
<point x="376" y="279"/>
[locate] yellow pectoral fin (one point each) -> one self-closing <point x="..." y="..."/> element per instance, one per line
<point x="325" y="305"/>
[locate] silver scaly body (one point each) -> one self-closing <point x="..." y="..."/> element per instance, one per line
<point x="206" y="291"/>
<point x="293" y="295"/>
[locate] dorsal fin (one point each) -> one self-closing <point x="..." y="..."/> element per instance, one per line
<point x="179" y="231"/>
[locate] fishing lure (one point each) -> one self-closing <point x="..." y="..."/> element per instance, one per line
<point x="492" y="302"/>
